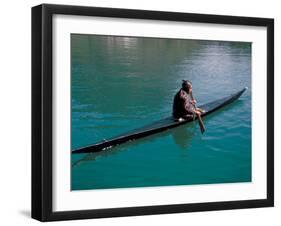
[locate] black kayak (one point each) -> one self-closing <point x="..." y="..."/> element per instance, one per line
<point x="157" y="127"/>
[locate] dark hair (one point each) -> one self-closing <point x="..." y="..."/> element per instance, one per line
<point x="186" y="85"/>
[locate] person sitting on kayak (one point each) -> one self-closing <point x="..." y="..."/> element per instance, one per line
<point x="184" y="105"/>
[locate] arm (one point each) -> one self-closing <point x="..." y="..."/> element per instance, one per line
<point x="192" y="98"/>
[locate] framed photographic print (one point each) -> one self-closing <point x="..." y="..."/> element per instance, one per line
<point x="145" y="112"/>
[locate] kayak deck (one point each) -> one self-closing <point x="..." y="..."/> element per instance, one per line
<point x="157" y="127"/>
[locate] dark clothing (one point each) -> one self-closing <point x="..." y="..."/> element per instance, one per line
<point x="182" y="105"/>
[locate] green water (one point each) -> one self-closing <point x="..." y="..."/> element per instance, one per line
<point x="122" y="83"/>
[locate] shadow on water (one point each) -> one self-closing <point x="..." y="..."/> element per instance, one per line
<point x="182" y="137"/>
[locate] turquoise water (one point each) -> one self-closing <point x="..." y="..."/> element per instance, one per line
<point x="122" y="83"/>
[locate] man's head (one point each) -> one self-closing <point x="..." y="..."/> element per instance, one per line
<point x="186" y="86"/>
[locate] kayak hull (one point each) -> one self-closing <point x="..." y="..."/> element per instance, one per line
<point x="157" y="127"/>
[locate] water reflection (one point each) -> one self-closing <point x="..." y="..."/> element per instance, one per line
<point x="182" y="136"/>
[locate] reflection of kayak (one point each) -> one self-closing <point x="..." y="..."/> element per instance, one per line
<point x="157" y="127"/>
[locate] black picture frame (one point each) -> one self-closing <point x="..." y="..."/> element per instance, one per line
<point x="42" y="111"/>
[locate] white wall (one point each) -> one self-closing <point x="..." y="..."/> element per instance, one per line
<point x="15" y="116"/>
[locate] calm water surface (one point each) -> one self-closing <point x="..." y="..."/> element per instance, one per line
<point x="122" y="83"/>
